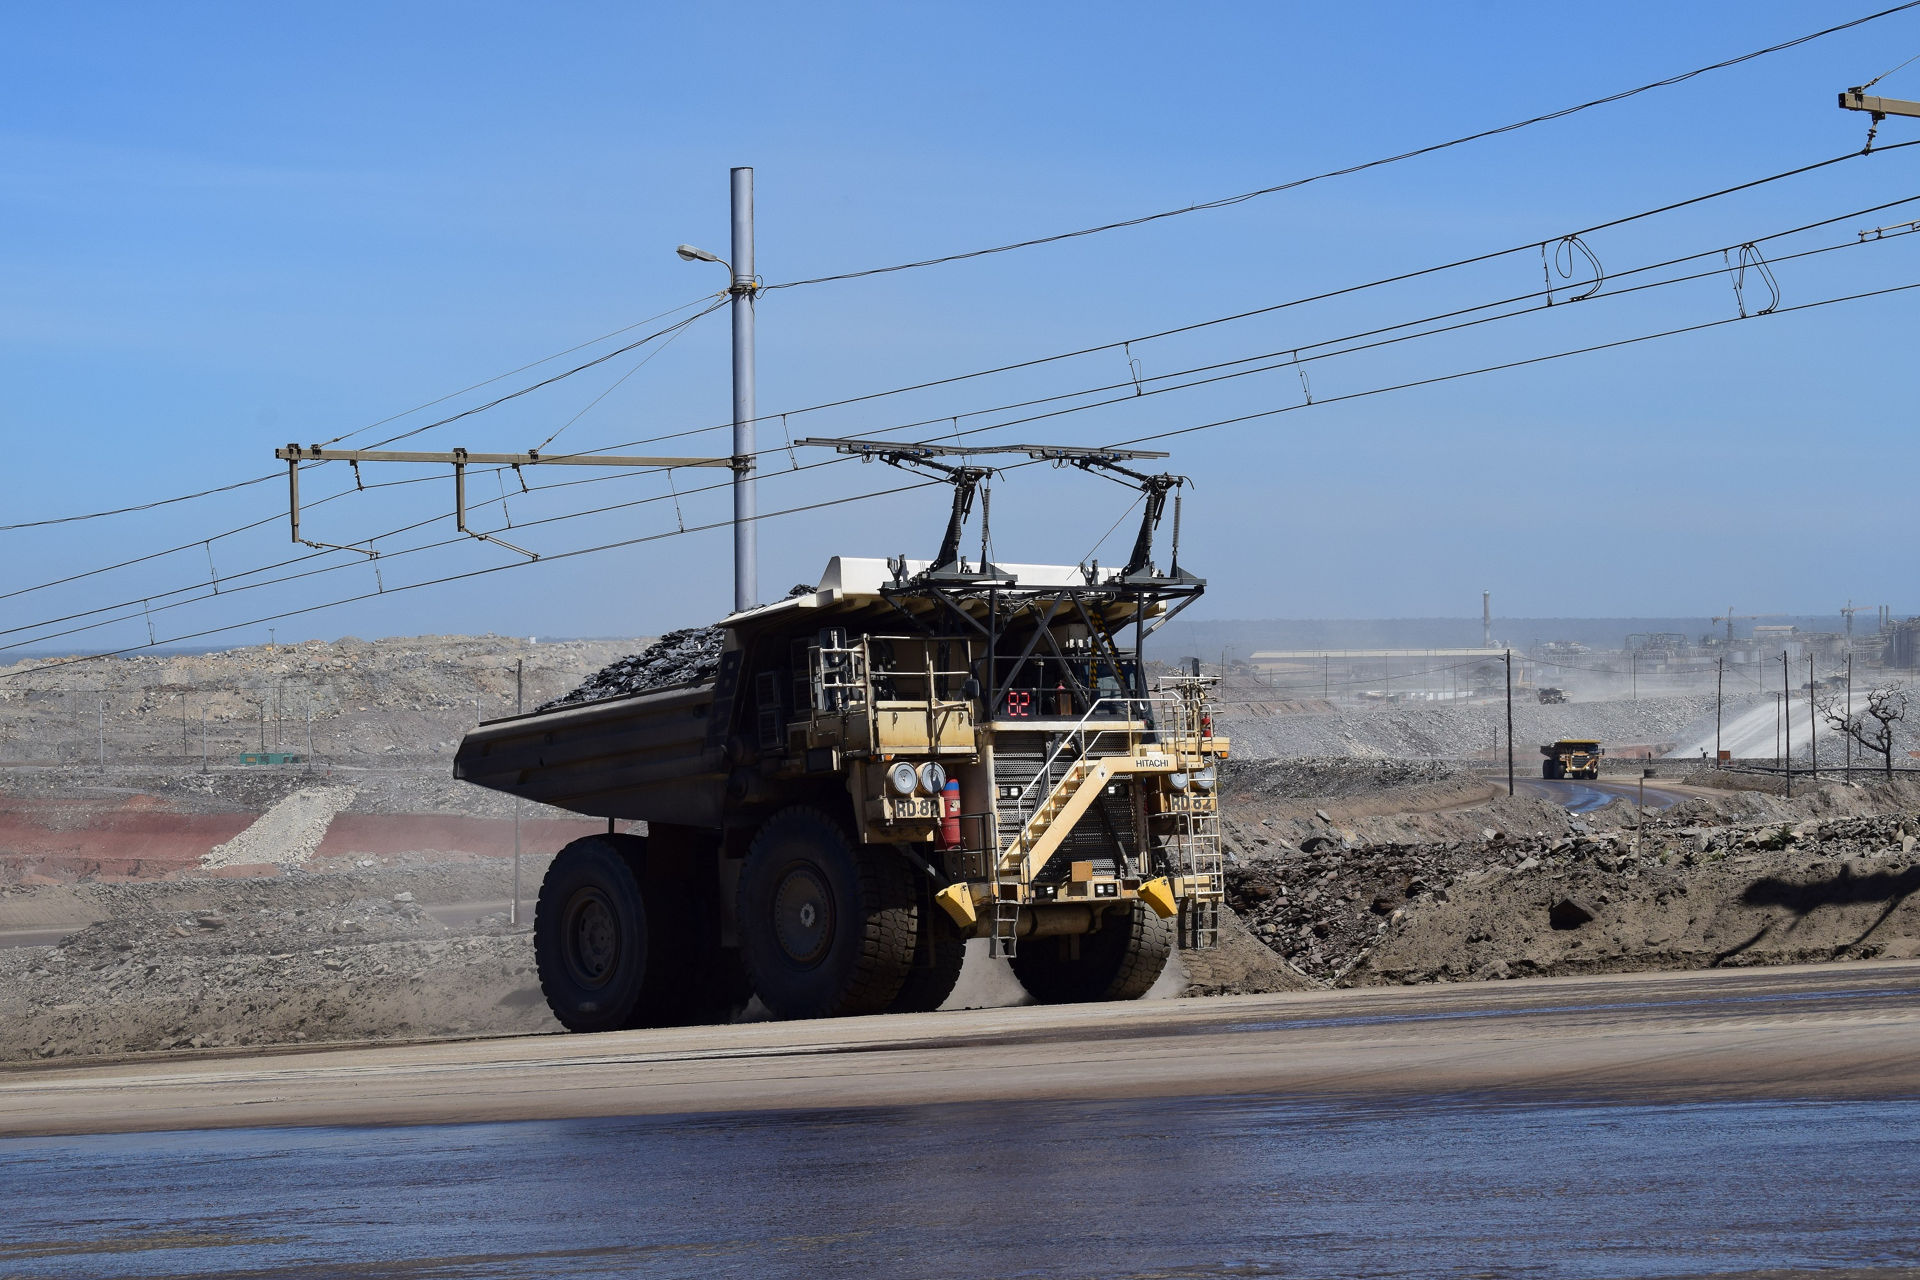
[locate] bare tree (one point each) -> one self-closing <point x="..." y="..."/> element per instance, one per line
<point x="1886" y="707"/>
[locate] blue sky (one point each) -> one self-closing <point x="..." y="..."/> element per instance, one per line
<point x="227" y="227"/>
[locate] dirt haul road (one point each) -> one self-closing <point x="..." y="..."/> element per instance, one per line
<point x="1828" y="1031"/>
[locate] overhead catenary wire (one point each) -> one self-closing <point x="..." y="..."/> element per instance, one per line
<point x="1296" y="183"/>
<point x="1118" y="344"/>
<point x="145" y="601"/>
<point x="674" y="329"/>
<point x="838" y="501"/>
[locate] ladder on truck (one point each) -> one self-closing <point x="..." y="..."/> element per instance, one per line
<point x="1196" y="849"/>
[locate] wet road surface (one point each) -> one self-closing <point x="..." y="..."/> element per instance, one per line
<point x="1189" y="1187"/>
<point x="1838" y="1031"/>
<point x="1582" y="796"/>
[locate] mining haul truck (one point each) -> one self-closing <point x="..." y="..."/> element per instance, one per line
<point x="1570" y="759"/>
<point x="906" y="756"/>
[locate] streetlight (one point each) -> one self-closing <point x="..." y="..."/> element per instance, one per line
<point x="690" y="254"/>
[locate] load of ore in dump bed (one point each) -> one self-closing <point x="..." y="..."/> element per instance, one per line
<point x="678" y="657"/>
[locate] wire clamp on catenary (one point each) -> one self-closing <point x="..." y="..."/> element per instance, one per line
<point x="1306" y="388"/>
<point x="1133" y="366"/>
<point x="1751" y="259"/>
<point x="1562" y="261"/>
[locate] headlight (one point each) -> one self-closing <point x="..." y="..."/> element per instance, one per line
<point x="1203" y="780"/>
<point x="1178" y="781"/>
<point x="933" y="777"/>
<point x="903" y="778"/>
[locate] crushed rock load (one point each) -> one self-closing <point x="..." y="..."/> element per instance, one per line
<point x="678" y="657"/>
<point x="1587" y="901"/>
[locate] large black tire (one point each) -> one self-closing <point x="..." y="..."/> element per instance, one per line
<point x="611" y="954"/>
<point x="826" y="927"/>
<point x="1117" y="962"/>
<point x="939" y="951"/>
<point x="1550" y="769"/>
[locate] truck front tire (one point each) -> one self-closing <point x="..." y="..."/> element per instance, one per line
<point x="1118" y="961"/>
<point x="608" y="957"/>
<point x="939" y="952"/>
<point x="826" y="927"/>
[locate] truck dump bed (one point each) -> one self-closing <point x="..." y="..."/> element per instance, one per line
<point x="647" y="756"/>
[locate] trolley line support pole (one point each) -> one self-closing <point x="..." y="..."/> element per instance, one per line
<point x="746" y="586"/>
<point x="1719" y="688"/>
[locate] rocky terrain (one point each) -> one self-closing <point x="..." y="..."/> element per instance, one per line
<point x="163" y="903"/>
<point x="1733" y="877"/>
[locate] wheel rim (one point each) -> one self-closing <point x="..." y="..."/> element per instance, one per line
<point x="803" y="915"/>
<point x="592" y="935"/>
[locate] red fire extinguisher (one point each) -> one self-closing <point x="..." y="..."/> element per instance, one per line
<point x="950" y="814"/>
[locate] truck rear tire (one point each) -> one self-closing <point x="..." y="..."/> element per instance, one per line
<point x="939" y="952"/>
<point x="826" y="927"/>
<point x="1117" y="962"/>
<point x="608" y="957"/>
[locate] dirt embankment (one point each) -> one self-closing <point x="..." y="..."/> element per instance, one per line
<point x="344" y="955"/>
<point x="1738" y="877"/>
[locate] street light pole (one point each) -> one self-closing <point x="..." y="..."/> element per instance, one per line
<point x="746" y="584"/>
<point x="742" y="286"/>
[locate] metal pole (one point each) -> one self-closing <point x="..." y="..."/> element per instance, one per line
<point x="184" y="748"/>
<point x="309" y="735"/>
<point x="1509" y="662"/>
<point x="1786" y="718"/>
<point x="746" y="585"/>
<point x="203" y="740"/>
<point x="1719" y="687"/>
<point x="519" y="706"/>
<point x="1813" y="724"/>
<point x="103" y="731"/>
<point x="1847" y="737"/>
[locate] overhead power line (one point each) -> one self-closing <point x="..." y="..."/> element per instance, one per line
<point x="236" y="582"/>
<point x="1293" y="184"/>
<point x="717" y="524"/>
<point x="671" y="330"/>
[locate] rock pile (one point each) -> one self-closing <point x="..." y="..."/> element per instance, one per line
<point x="1332" y="906"/>
<point x="678" y="657"/>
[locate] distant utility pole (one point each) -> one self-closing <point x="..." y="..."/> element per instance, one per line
<point x="1786" y="718"/>
<point x="1848" y="736"/>
<point x="1813" y="722"/>
<point x="103" y="731"/>
<point x="185" y="750"/>
<point x="519" y="708"/>
<point x="1509" y="661"/>
<point x="1719" y="693"/>
<point x="203" y="740"/>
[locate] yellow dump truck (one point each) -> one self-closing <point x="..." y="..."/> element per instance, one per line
<point x="1571" y="758"/>
<point x="908" y="755"/>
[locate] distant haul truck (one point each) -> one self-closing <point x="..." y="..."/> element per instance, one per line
<point x="1549" y="695"/>
<point x="1571" y="759"/>
<point x="904" y="757"/>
